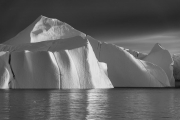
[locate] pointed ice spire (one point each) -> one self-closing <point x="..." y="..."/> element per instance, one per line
<point x="157" y="47"/>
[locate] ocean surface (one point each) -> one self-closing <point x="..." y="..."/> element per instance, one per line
<point x="91" y="104"/>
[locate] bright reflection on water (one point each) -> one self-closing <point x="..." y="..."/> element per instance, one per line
<point x="97" y="104"/>
<point x="106" y="104"/>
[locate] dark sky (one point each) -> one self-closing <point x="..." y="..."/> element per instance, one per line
<point x="101" y="19"/>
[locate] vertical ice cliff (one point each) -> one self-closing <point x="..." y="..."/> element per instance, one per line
<point x="6" y="76"/>
<point x="52" y="54"/>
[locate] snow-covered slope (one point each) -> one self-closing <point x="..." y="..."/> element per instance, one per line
<point x="52" y="54"/>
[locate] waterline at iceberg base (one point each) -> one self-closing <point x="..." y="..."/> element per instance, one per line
<point x="50" y="54"/>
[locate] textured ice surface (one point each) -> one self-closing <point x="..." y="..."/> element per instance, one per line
<point x="52" y="29"/>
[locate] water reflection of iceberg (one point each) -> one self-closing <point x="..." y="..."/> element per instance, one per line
<point x="77" y="105"/>
<point x="54" y="105"/>
<point x="5" y="107"/>
<point x="35" y="105"/>
<point x="97" y="104"/>
<point x="67" y="104"/>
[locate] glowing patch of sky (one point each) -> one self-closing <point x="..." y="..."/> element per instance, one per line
<point x="168" y="40"/>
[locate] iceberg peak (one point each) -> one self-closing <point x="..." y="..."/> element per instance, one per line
<point x="52" y="29"/>
<point x="45" y="29"/>
<point x="157" y="47"/>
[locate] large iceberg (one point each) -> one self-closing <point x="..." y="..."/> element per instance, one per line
<point x="52" y="54"/>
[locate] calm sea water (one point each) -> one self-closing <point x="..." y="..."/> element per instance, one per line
<point x="93" y="104"/>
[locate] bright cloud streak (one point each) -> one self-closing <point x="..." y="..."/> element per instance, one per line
<point x="170" y="41"/>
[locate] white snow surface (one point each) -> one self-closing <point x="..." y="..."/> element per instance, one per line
<point x="52" y="54"/>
